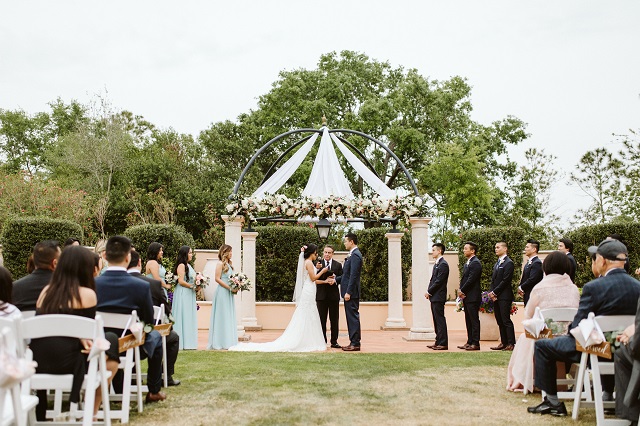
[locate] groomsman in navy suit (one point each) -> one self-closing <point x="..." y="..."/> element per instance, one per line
<point x="437" y="295"/>
<point x="350" y="288"/>
<point x="532" y="273"/>
<point x="502" y="296"/>
<point x="471" y="296"/>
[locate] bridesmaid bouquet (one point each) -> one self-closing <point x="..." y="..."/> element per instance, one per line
<point x="240" y="282"/>
<point x="201" y="281"/>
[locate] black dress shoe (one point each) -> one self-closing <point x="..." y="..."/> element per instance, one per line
<point x="336" y="346"/>
<point x="545" y="407"/>
<point x="465" y="346"/>
<point x="440" y="348"/>
<point x="508" y="348"/>
<point x="173" y="382"/>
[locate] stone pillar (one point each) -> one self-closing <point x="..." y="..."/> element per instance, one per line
<point x="233" y="237"/>
<point x="248" y="299"/>
<point x="395" y="316"/>
<point x="422" y="328"/>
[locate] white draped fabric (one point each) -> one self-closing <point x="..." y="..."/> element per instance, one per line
<point x="282" y="175"/>
<point x="327" y="177"/>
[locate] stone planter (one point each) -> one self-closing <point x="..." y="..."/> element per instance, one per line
<point x="488" y="327"/>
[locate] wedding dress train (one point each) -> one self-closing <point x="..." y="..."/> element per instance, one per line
<point x="303" y="334"/>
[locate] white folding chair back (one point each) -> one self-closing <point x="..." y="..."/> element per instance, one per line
<point x="81" y="328"/>
<point x="607" y="324"/>
<point x="158" y="313"/>
<point x="28" y="314"/>
<point x="14" y="406"/>
<point x="13" y="324"/>
<point x="559" y="314"/>
<point x="127" y="363"/>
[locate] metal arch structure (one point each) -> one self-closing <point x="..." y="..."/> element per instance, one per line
<point x="292" y="132"/>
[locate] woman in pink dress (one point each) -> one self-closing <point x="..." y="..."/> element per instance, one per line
<point x="556" y="290"/>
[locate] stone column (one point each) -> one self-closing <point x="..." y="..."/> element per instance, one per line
<point x="248" y="299"/>
<point x="422" y="328"/>
<point x="233" y="237"/>
<point x="396" y="316"/>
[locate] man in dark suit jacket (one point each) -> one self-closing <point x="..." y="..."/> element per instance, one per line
<point x="328" y="295"/>
<point x="614" y="293"/>
<point x="120" y="293"/>
<point x="437" y="295"/>
<point x="158" y="297"/>
<point x="27" y="289"/>
<point x="532" y="273"/>
<point x="627" y="369"/>
<point x="350" y="288"/>
<point x="471" y="295"/>
<point x="565" y="245"/>
<point x="502" y="295"/>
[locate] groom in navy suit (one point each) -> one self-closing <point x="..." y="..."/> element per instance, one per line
<point x="350" y="289"/>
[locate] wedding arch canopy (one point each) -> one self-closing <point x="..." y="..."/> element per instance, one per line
<point x="326" y="194"/>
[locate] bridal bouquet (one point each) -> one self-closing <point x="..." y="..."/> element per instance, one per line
<point x="201" y="281"/>
<point x="240" y="282"/>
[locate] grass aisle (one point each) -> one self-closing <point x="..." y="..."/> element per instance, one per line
<point x="339" y="388"/>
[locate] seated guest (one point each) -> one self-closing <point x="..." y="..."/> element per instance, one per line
<point x="27" y="289"/>
<point x="70" y="242"/>
<point x="628" y="374"/>
<point x="6" y="284"/>
<point x="158" y="297"/>
<point x="100" y="250"/>
<point x="71" y="292"/>
<point x="120" y="293"/>
<point x="556" y="290"/>
<point x="614" y="293"/>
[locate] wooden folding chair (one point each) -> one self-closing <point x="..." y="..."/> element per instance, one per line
<point x="97" y="374"/>
<point x="607" y="324"/>
<point x="14" y="406"/>
<point x="127" y="363"/>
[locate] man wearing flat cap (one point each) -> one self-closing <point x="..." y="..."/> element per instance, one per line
<point x="614" y="293"/>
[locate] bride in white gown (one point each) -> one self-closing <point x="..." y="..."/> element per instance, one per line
<point x="304" y="333"/>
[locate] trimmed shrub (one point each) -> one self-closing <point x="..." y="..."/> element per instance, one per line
<point x="172" y="237"/>
<point x="486" y="239"/>
<point x="592" y="235"/>
<point x="278" y="248"/>
<point x="20" y="235"/>
<point x="211" y="239"/>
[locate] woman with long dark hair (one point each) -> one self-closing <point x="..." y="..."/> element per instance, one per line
<point x="304" y="332"/>
<point x="70" y="292"/>
<point x="223" y="332"/>
<point x="6" y="288"/>
<point x="154" y="268"/>
<point x="184" y="300"/>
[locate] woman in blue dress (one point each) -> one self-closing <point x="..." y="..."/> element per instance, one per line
<point x="223" y="332"/>
<point x="184" y="300"/>
<point x="154" y="268"/>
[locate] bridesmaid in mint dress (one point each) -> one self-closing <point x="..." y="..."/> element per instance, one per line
<point x="184" y="300"/>
<point x="154" y="268"/>
<point x="223" y="332"/>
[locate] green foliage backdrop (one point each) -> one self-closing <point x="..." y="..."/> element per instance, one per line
<point x="20" y="235"/>
<point x="592" y="235"/>
<point x="486" y="239"/>
<point x="172" y="237"/>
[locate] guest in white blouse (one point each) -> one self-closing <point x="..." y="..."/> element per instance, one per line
<point x="6" y="287"/>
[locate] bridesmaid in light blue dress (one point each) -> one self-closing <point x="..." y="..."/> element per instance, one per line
<point x="184" y="300"/>
<point x="154" y="268"/>
<point x="223" y="332"/>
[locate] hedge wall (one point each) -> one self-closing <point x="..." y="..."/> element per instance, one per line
<point x="172" y="237"/>
<point x="486" y="239"/>
<point x="278" y="247"/>
<point x="19" y="235"/>
<point x="592" y="235"/>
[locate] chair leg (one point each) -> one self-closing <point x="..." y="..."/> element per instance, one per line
<point x="164" y="361"/>
<point x="139" y="379"/>
<point x="579" y="383"/>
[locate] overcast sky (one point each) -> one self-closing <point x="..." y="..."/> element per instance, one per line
<point x="569" y="69"/>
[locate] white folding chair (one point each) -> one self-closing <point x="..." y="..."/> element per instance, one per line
<point x="13" y="323"/>
<point x="127" y="363"/>
<point x="14" y="406"/>
<point x="28" y="314"/>
<point x="158" y="316"/>
<point x="97" y="374"/>
<point x="607" y="323"/>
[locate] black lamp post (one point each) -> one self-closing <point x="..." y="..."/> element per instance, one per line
<point x="324" y="228"/>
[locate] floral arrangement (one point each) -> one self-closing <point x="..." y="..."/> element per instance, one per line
<point x="240" y="282"/>
<point x="201" y="281"/>
<point x="486" y="305"/>
<point x="331" y="207"/>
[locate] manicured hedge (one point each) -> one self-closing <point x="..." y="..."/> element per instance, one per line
<point x="19" y="235"/>
<point x="586" y="236"/>
<point x="278" y="247"/>
<point x="486" y="239"/>
<point x="211" y="239"/>
<point x="172" y="237"/>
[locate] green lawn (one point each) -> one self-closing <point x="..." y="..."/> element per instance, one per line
<point x="340" y="388"/>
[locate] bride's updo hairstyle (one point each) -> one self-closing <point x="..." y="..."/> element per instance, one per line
<point x="224" y="254"/>
<point x="311" y="248"/>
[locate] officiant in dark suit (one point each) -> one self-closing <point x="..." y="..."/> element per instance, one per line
<point x="328" y="295"/>
<point x="502" y="295"/>
<point x="437" y="295"/>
